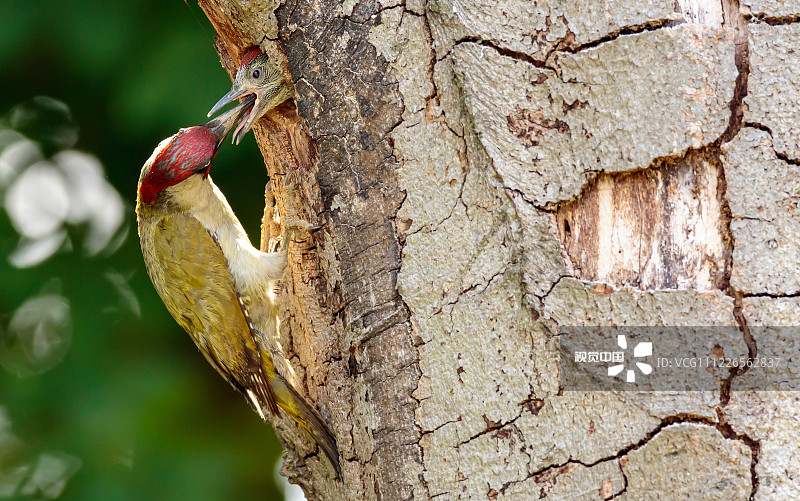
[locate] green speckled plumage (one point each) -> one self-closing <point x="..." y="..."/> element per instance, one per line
<point x="191" y="275"/>
<point x="214" y="282"/>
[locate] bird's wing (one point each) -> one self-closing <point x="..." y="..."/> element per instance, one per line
<point x="201" y="295"/>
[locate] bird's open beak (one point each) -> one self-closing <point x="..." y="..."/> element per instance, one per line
<point x="267" y="97"/>
<point x="224" y="124"/>
<point x="227" y="98"/>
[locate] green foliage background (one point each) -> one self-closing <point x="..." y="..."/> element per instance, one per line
<point x="133" y="398"/>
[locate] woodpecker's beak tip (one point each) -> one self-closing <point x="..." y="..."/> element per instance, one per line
<point x="227" y="98"/>
<point x="248" y="121"/>
<point x="222" y="125"/>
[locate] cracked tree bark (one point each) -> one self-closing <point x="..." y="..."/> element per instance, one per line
<point x="491" y="171"/>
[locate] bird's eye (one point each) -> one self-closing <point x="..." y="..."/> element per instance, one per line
<point x="256" y="73"/>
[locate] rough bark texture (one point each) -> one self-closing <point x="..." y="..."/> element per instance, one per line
<point x="490" y="171"/>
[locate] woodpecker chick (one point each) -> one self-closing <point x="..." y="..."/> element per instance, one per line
<point x="256" y="76"/>
<point x="212" y="280"/>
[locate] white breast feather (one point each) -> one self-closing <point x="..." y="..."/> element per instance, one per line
<point x="252" y="269"/>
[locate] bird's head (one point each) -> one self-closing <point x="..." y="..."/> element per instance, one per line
<point x="258" y="77"/>
<point x="187" y="153"/>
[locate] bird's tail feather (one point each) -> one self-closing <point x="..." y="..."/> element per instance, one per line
<point x="296" y="406"/>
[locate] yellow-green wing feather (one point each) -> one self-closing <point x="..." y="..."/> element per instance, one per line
<point x="199" y="291"/>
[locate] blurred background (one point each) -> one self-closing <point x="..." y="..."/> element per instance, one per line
<point x="102" y="395"/>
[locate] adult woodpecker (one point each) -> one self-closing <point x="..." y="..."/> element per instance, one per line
<point x="212" y="280"/>
<point x="258" y="77"/>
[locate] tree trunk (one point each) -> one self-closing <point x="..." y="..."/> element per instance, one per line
<point x="492" y="173"/>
